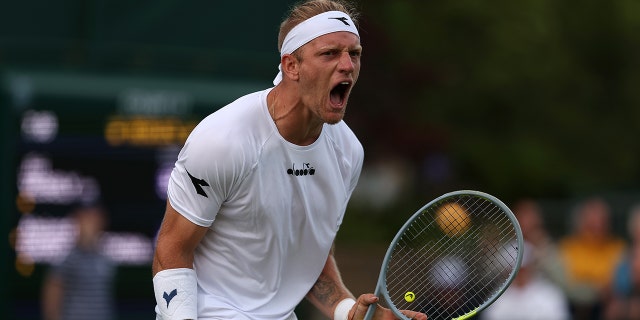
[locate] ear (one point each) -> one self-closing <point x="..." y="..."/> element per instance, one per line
<point x="290" y="67"/>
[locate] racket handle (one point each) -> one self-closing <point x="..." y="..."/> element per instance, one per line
<point x="370" y="311"/>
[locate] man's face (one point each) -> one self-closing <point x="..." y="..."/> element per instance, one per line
<point x="329" y="68"/>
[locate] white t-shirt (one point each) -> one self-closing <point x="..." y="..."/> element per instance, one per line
<point x="538" y="300"/>
<point x="273" y="208"/>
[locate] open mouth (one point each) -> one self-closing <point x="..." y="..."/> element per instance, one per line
<point x="338" y="94"/>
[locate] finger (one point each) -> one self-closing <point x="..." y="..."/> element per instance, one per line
<point x="420" y="316"/>
<point x="363" y="302"/>
<point x="413" y="315"/>
<point x="367" y="299"/>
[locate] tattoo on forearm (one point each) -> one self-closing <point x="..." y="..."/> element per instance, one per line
<point x="325" y="290"/>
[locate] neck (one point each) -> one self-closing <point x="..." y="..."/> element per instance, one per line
<point x="88" y="242"/>
<point x="293" y="119"/>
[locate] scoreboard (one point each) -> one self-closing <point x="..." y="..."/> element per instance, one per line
<point x="70" y="133"/>
<point x="73" y="138"/>
<point x="79" y="138"/>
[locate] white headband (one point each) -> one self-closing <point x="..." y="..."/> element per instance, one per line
<point x="324" y="23"/>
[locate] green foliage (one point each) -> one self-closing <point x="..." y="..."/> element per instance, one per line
<point x="535" y="96"/>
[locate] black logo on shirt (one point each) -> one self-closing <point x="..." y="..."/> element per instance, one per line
<point x="306" y="170"/>
<point x="198" y="184"/>
<point x="343" y="20"/>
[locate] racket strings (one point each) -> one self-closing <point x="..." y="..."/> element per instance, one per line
<point x="444" y="271"/>
<point x="417" y="264"/>
<point x="455" y="264"/>
<point x="421" y="226"/>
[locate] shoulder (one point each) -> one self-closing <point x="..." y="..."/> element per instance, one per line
<point x="570" y="242"/>
<point x="232" y="118"/>
<point x="233" y="134"/>
<point x="345" y="139"/>
<point x="241" y="119"/>
<point x="617" y="246"/>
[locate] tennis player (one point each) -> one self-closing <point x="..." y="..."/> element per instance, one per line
<point x="260" y="188"/>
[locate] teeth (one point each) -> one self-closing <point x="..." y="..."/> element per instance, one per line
<point x="345" y="83"/>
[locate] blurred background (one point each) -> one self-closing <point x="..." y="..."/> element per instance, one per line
<point x="533" y="99"/>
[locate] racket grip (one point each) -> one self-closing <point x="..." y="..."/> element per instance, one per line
<point x="370" y="311"/>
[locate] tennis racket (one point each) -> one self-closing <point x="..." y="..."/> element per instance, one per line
<point x="452" y="258"/>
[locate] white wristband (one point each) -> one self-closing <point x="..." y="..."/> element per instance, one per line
<point x="176" y="294"/>
<point x="342" y="309"/>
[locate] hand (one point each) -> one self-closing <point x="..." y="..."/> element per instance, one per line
<point x="359" y="310"/>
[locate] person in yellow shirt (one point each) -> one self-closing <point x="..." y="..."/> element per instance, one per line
<point x="590" y="254"/>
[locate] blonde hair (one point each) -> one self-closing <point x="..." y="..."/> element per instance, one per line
<point x="307" y="9"/>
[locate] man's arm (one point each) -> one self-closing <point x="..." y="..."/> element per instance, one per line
<point x="177" y="240"/>
<point x="174" y="280"/>
<point x="329" y="289"/>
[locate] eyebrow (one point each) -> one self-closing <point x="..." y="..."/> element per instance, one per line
<point x="339" y="47"/>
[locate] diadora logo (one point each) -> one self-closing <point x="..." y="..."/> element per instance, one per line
<point x="198" y="184"/>
<point x="343" y="20"/>
<point x="306" y="170"/>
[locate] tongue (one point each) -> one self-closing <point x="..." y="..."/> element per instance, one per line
<point x="336" y="97"/>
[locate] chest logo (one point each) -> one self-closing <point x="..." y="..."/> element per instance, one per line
<point x="305" y="170"/>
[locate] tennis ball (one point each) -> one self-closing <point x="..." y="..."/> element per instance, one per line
<point x="452" y="219"/>
<point x="409" y="296"/>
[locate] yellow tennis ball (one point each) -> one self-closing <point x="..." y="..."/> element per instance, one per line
<point x="409" y="296"/>
<point x="452" y="219"/>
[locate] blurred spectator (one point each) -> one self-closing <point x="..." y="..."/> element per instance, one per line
<point x="80" y="287"/>
<point x="543" y="249"/>
<point x="530" y="296"/>
<point x="590" y="255"/>
<point x="625" y="301"/>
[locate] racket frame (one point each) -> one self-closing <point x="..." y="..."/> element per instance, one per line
<point x="381" y="286"/>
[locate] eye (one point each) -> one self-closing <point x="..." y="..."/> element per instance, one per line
<point x="355" y="53"/>
<point x="328" y="53"/>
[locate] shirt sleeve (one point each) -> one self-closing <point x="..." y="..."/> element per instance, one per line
<point x="207" y="169"/>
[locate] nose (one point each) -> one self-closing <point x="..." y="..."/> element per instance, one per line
<point x="346" y="63"/>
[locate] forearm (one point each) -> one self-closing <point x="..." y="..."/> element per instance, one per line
<point x="163" y="260"/>
<point x="329" y="289"/>
<point x="174" y="280"/>
<point x="177" y="240"/>
<point x="170" y="255"/>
